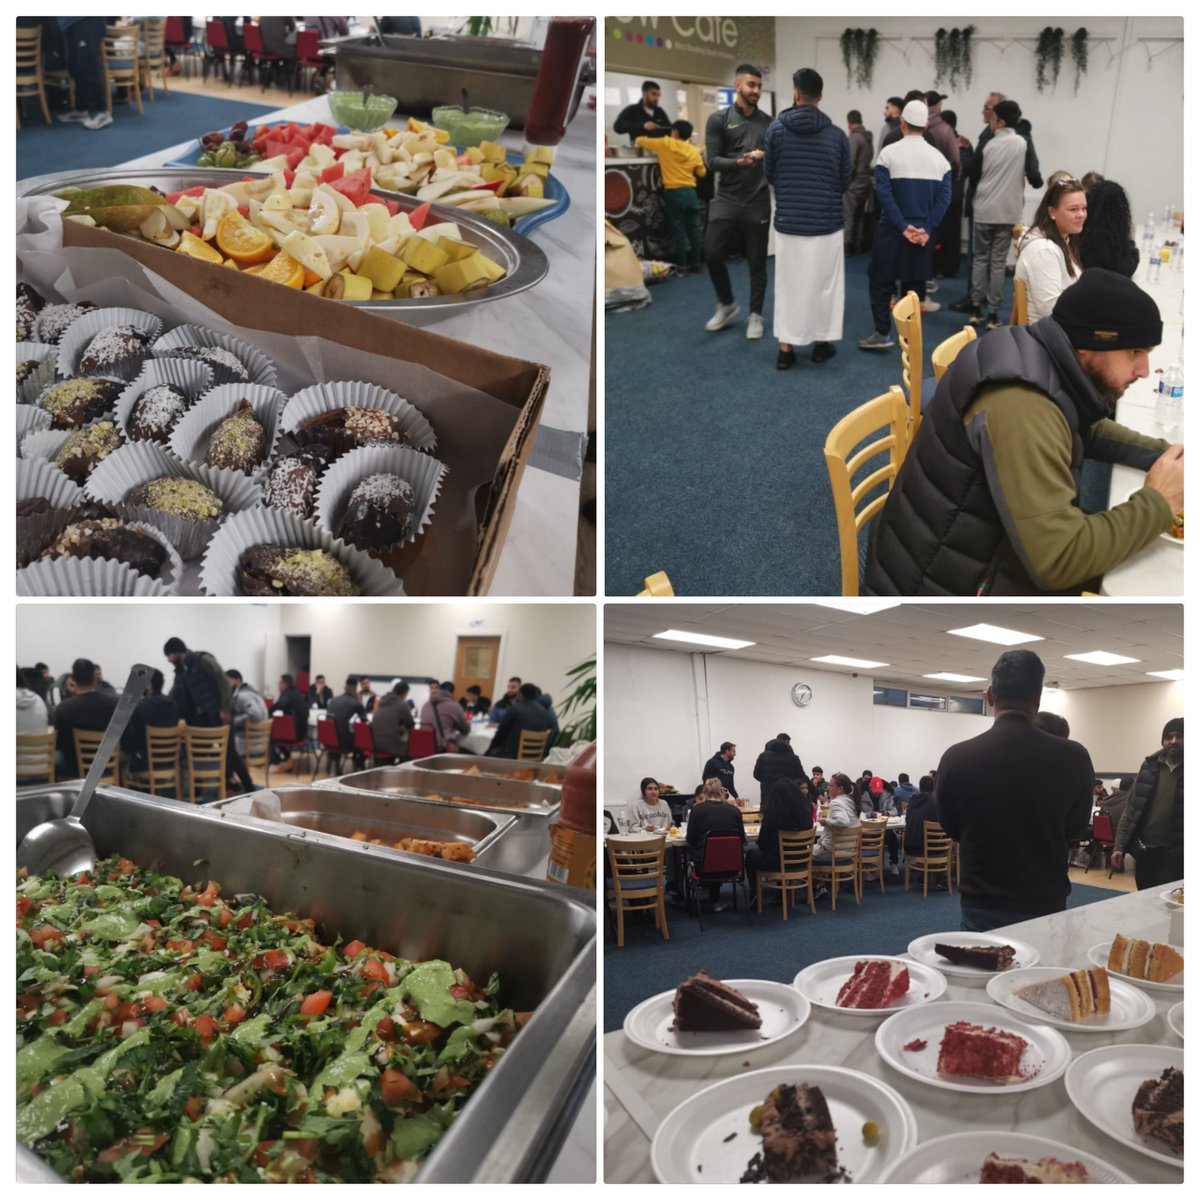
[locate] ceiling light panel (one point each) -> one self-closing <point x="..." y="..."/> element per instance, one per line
<point x="1102" y="658"/>
<point x="702" y="639"/>
<point x="997" y="634"/>
<point x="838" y="660"/>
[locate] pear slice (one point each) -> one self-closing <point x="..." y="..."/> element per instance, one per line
<point x="307" y="251"/>
<point x="324" y="215"/>
<point x="377" y="219"/>
<point x="157" y="229"/>
<point x="356" y="224"/>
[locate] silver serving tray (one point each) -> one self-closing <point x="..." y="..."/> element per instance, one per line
<point x="547" y="774"/>
<point x="523" y="260"/>
<point x="496" y="795"/>
<point x="540" y="937"/>
<point x="332" y="814"/>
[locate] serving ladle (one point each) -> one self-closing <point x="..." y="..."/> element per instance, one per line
<point x="64" y="846"/>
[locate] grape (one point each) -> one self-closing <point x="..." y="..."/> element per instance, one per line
<point x="205" y="160"/>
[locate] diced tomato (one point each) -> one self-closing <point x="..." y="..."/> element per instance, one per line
<point x="353" y="949"/>
<point x="458" y="1081"/>
<point x="90" y="971"/>
<point x="374" y="969"/>
<point x="262" y="1155"/>
<point x="181" y="945"/>
<point x="329" y="174"/>
<point x="396" y="1088"/>
<point x="460" y="991"/>
<point x="289" y="177"/>
<point x="386" y="956"/>
<point x="234" y="1014"/>
<point x="208" y="897"/>
<point x="215" y="940"/>
<point x="154" y="924"/>
<point x="28" y="1001"/>
<point x="371" y="987"/>
<point x="207" y="1028"/>
<point x="224" y="917"/>
<point x="193" y="984"/>
<point x="112" y="1000"/>
<point x="244" y="922"/>
<point x="181" y="1017"/>
<point x="418" y="1032"/>
<point x="83" y="879"/>
<point x="194" y="1108"/>
<point x="59" y="1017"/>
<point x="315" y="1003"/>
<point x="155" y="1004"/>
<point x="273" y="959"/>
<point x="129" y="1012"/>
<point x="24" y="904"/>
<point x="356" y="186"/>
<point x="44" y="935"/>
<point x="386" y="1029"/>
<point x="420" y="215"/>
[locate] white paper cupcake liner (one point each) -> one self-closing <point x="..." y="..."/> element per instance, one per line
<point x="193" y="432"/>
<point x="422" y="471"/>
<point x="140" y="462"/>
<point x="186" y="375"/>
<point x="31" y="418"/>
<point x="46" y="443"/>
<point x="86" y="577"/>
<point x="261" y="369"/>
<point x="168" y="580"/>
<point x="271" y="527"/>
<point x="75" y="341"/>
<point x="46" y="357"/>
<point x="36" y="477"/>
<point x="311" y="402"/>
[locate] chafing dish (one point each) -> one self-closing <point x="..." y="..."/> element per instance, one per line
<point x="550" y="774"/>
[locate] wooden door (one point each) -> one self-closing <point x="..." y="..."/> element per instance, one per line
<point x="475" y="663"/>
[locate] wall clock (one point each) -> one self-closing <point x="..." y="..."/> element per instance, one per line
<point x="802" y="694"/>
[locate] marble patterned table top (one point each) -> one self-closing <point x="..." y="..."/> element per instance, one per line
<point x="641" y="1088"/>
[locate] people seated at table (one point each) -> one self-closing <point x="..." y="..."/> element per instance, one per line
<point x="392" y="722"/>
<point x="712" y="813"/>
<point x="903" y="792"/>
<point x="720" y="766"/>
<point x="1048" y="254"/>
<point x="844" y="798"/>
<point x="818" y="784"/>
<point x="319" y="693"/>
<point x="786" y="808"/>
<point x="527" y="715"/>
<point x="650" y="813"/>
<point x="921" y="808"/>
<point x="777" y="761"/>
<point x="442" y="714"/>
<point x="474" y="703"/>
<point x="289" y="703"/>
<point x="879" y="801"/>
<point x="512" y="694"/>
<point x="102" y="684"/>
<point x="366" y="696"/>
<point x="809" y="795"/>
<point x="86" y="709"/>
<point x="248" y="705"/>
<point x="341" y="709"/>
<point x="32" y="714"/>
<point x="1107" y="237"/>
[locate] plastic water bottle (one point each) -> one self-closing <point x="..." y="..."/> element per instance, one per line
<point x="1148" y="237"/>
<point x="1154" y="270"/>
<point x="1169" y="406"/>
<point x="1168" y="218"/>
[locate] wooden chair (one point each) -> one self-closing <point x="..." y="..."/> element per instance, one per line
<point x="35" y="755"/>
<point x="845" y="453"/>
<point x="907" y="318"/>
<point x="1020" y="307"/>
<point x="946" y="352"/>
<point x="532" y="746"/>
<point x="258" y="748"/>
<point x="163" y="747"/>
<point x="30" y="81"/>
<point x="936" y="859"/>
<point x="207" y="752"/>
<point x="637" y="880"/>
<point x="795" y="869"/>
<point x="657" y="585"/>
<point x="153" y="54"/>
<point x="120" y="61"/>
<point x="870" y="851"/>
<point x="87" y="746"/>
<point x="842" y="866"/>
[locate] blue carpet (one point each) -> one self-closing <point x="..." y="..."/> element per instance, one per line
<point x="770" y="949"/>
<point x="714" y="464"/>
<point x="167" y="121"/>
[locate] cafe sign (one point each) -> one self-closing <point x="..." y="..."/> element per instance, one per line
<point x="689" y="49"/>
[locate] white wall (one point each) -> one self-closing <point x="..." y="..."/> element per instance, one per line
<point x="1126" y="121"/>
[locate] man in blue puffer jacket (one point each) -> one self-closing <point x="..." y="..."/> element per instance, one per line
<point x="807" y="160"/>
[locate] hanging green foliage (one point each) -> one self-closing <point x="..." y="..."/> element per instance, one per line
<point x="952" y="57"/>
<point x="1079" y="54"/>
<point x="859" y="49"/>
<point x="1049" y="57"/>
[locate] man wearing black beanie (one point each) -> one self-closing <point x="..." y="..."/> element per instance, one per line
<point x="1151" y="827"/>
<point x="987" y="499"/>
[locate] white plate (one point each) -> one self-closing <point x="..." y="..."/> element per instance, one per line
<point x="1175" y="1019"/>
<point x="1171" y="897"/>
<point x="958" y="1157"/>
<point x="821" y="983"/>
<point x="782" y="1008"/>
<point x="691" y="1144"/>
<point x="1047" y="1054"/>
<point x="1130" y="1007"/>
<point x="1098" y="956"/>
<point x="1102" y="1084"/>
<point x="922" y="949"/>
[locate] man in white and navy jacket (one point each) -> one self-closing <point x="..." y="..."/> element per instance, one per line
<point x="912" y="184"/>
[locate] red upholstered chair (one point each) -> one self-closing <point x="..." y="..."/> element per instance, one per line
<point x="256" y="56"/>
<point x="283" y="733"/>
<point x="421" y="743"/>
<point x="364" y="744"/>
<point x="722" y="860"/>
<point x="328" y="746"/>
<point x="308" y="52"/>
<point x="1103" y="839"/>
<point x="219" y="50"/>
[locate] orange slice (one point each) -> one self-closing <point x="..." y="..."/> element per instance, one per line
<point x="283" y="268"/>
<point x="195" y="247"/>
<point x="255" y="269"/>
<point x="241" y="241"/>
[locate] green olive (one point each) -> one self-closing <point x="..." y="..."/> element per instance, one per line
<point x="756" y="1116"/>
<point x="870" y="1131"/>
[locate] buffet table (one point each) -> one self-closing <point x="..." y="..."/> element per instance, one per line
<point x="641" y="1087"/>
<point x="551" y="324"/>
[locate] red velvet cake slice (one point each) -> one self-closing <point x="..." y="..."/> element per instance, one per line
<point x="1022" y="1170"/>
<point x="875" y="983"/>
<point x="968" y="1049"/>
<point x="703" y="1003"/>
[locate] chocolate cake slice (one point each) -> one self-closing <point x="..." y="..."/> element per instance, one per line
<point x="704" y="1004"/>
<point x="798" y="1135"/>
<point x="988" y="958"/>
<point x="1158" y="1108"/>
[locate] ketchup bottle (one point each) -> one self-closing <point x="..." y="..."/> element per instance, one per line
<point x="562" y="57"/>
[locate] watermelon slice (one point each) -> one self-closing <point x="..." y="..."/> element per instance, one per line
<point x="393" y="207"/>
<point x="296" y="157"/>
<point x="329" y="174"/>
<point x="356" y="186"/>
<point x="420" y="215"/>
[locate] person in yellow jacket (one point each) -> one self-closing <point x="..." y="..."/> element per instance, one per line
<point x="681" y="165"/>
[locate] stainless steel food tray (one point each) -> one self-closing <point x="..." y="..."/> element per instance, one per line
<point x="498" y="795"/>
<point x="539" y="937"/>
<point x="524" y="263"/>
<point x="338" y="814"/>
<point x="549" y="774"/>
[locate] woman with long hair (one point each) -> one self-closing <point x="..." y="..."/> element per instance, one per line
<point x="1048" y="255"/>
<point x="650" y="814"/>
<point x="785" y="809"/>
<point x="1107" y="238"/>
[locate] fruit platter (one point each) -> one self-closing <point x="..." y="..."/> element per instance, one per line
<point x="529" y="194"/>
<point x="339" y="238"/>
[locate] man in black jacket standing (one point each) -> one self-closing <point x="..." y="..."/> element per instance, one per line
<point x="1014" y="798"/>
<point x="645" y="119"/>
<point x="1151" y="826"/>
<point x="720" y="766"/>
<point x="777" y="761"/>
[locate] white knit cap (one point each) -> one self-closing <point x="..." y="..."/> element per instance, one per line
<point x="916" y="114"/>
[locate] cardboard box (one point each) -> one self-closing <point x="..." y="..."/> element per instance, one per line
<point x="254" y="304"/>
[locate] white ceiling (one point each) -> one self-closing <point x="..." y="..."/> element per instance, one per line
<point x="912" y="637"/>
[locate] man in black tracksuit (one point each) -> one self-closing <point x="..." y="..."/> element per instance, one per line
<point x="1151" y="827"/>
<point x="645" y="119"/>
<point x="739" y="217"/>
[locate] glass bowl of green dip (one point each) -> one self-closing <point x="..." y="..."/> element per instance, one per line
<point x="470" y="128"/>
<point x="361" y="111"/>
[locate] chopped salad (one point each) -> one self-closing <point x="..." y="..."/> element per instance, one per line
<point x="167" y="1034"/>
